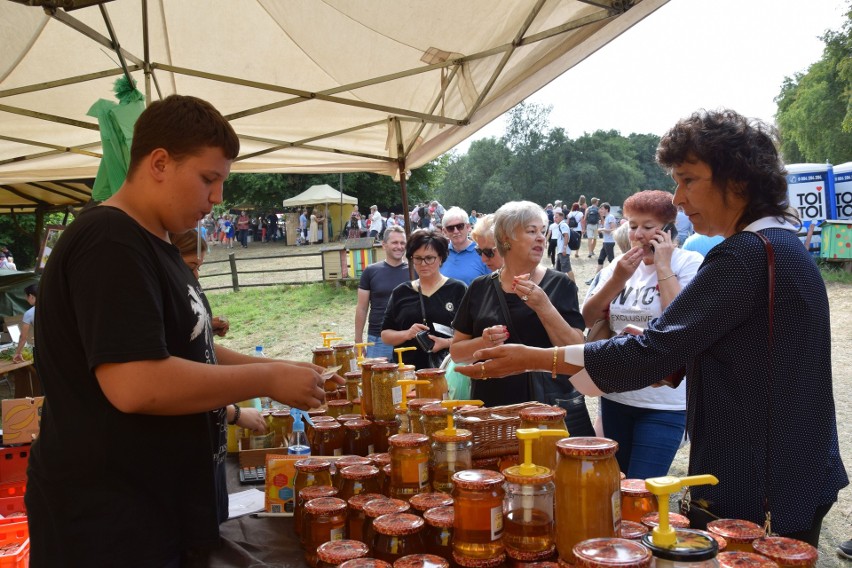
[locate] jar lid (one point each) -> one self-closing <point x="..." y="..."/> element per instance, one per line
<point x="317" y="491"/>
<point x="457" y="435"/>
<point x="327" y="424"/>
<point x="632" y="530"/>
<point x="313" y="413"/>
<point x="369" y="362"/>
<point x="410" y="440"/>
<point x="386" y="469"/>
<point x="281" y="414"/>
<point x="786" y="551"/>
<point x="479" y="562"/>
<point x="421" y="561"/>
<point x="344" y="418"/>
<point x="337" y="551"/>
<point x="397" y="524"/>
<point x="539" y="476"/>
<point x="478" y="479"/>
<point x="544" y="564"/>
<point x="542" y="413"/>
<point x="346" y="461"/>
<point x="736" y="530"/>
<point x="339" y="402"/>
<point x="586" y="446"/>
<point x="689" y="546"/>
<point x="427" y="374"/>
<point x="635" y="488"/>
<point x="385" y="367"/>
<point x="323" y="350"/>
<point x="485" y="463"/>
<point x="379" y="459"/>
<point x="387" y="423"/>
<point x="342" y="346"/>
<point x="325" y="506"/>
<point x="357" y="424"/>
<point x="322" y="418"/>
<point x="598" y="552"/>
<point x="418" y="403"/>
<point x="433" y="409"/>
<point x="676" y="520"/>
<point x="425" y="501"/>
<point x="744" y="560"/>
<point x="387" y="506"/>
<point x="312" y="465"/>
<point x="723" y="544"/>
<point x="441" y="517"/>
<point x="357" y="502"/>
<point x="365" y="563"/>
<point x="359" y="472"/>
<point x="529" y="555"/>
<point x="349" y="375"/>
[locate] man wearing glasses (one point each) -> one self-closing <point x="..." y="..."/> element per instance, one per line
<point x="463" y="263"/>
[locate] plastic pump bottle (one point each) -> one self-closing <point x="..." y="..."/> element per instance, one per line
<point x="298" y="441"/>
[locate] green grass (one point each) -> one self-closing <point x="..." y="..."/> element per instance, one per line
<point x="834" y="272"/>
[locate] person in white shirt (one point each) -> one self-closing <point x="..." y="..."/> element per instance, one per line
<point x="552" y="238"/>
<point x="375" y="222"/>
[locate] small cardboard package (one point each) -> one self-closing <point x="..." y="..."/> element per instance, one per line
<point x="21" y="419"/>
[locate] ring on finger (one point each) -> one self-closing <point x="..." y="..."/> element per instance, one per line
<point x="525" y="297"/>
<point x="482" y="370"/>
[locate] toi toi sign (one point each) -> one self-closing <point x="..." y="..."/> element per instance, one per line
<point x="807" y="188"/>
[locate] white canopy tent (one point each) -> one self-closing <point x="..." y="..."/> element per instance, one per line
<point x="333" y="201"/>
<point x="309" y="85"/>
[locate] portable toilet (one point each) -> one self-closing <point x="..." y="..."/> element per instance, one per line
<point x="837" y="234"/>
<point x="807" y="190"/>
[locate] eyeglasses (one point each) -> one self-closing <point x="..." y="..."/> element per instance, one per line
<point x="489" y="253"/>
<point x="454" y="228"/>
<point x="424" y="259"/>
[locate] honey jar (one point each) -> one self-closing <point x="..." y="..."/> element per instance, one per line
<point x="588" y="496"/>
<point x="386" y="480"/>
<point x="386" y="392"/>
<point x="355" y="516"/>
<point x="345" y="461"/>
<point x="325" y="520"/>
<point x="544" y="418"/>
<point x="723" y="544"/>
<point x="367" y="385"/>
<point x="636" y="500"/>
<point x="744" y="560"/>
<point x="492" y="463"/>
<point x="409" y="465"/>
<point x="478" y="516"/>
<point x="333" y="553"/>
<point x="676" y="520"/>
<point x="335" y="408"/>
<point x="421" y="561"/>
<point x="344" y="355"/>
<point x="309" y="471"/>
<point x="343" y="418"/>
<point x="631" y="530"/>
<point x="414" y="406"/>
<point x="402" y="408"/>
<point x="282" y="424"/>
<point x="786" y="552"/>
<point x="436" y="387"/>
<point x="740" y="534"/>
<point x="327" y="439"/>
<point x="353" y="384"/>
<point x="451" y="453"/>
<point x="611" y="552"/>
<point x="397" y="535"/>
<point x="309" y="426"/>
<point x="375" y="509"/>
<point x="323" y="356"/>
<point x="422" y="502"/>
<point x="365" y="563"/>
<point x="433" y="417"/>
<point x="382" y="431"/>
<point x="358" y="437"/>
<point x="438" y="533"/>
<point x="309" y="494"/>
<point x="357" y="479"/>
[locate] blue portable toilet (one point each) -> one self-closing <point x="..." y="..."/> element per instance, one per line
<point x="808" y="191"/>
<point x="843" y="191"/>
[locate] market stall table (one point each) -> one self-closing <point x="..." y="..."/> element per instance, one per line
<point x="22" y="379"/>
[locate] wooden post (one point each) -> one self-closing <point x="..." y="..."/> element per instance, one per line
<point x="232" y="260"/>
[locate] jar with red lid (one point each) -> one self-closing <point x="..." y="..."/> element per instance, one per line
<point x="323" y="356"/>
<point x="358" y="437"/>
<point x="321" y="419"/>
<point x="382" y="431"/>
<point x="611" y="552"/>
<point x="375" y="509"/>
<point x="528" y="519"/>
<point x="409" y="465"/>
<point x="346" y="461"/>
<point x="344" y="418"/>
<point x="355" y="515"/>
<point x="353" y="384"/>
<point x="334" y="553"/>
<point x="437" y="387"/>
<point x="397" y="535"/>
<point x="786" y="552"/>
<point x="422" y="502"/>
<point x="387" y="392"/>
<point x="328" y="439"/>
<point x="433" y="417"/>
<point x="421" y="561"/>
<point x="676" y="520"/>
<point x="365" y="563"/>
<point x="631" y="530"/>
<point x="543" y="417"/>
<point x="492" y="464"/>
<point x="588" y="494"/>
<point x="478" y="515"/>
<point x="344" y="355"/>
<point x="386" y="480"/>
<point x="324" y="520"/>
<point x="379" y="459"/>
<point x="451" y="452"/>
<point x="438" y="533"/>
<point x="636" y="500"/>
<point x="309" y="471"/>
<point x="337" y="407"/>
<point x="309" y="494"/>
<point x="414" y="406"/>
<point x="740" y="559"/>
<point x="357" y="479"/>
<point x="740" y="534"/>
<point x="691" y="549"/>
<point x="367" y="384"/>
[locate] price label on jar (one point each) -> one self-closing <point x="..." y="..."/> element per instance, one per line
<point x="423" y="471"/>
<point x="336" y="534"/>
<point x="353" y="365"/>
<point x="396" y="395"/>
<point x="616" y="511"/>
<point x="496" y="522"/>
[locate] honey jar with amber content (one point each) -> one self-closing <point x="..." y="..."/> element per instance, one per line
<point x="358" y="437"/>
<point x="357" y="479"/>
<point x="397" y="535"/>
<point x="353" y="385"/>
<point x="636" y="500"/>
<point x="409" y="465"/>
<point x="327" y="439"/>
<point x="309" y="471"/>
<point x="543" y="417"/>
<point x="414" y="406"/>
<point x="478" y="516"/>
<point x="438" y="533"/>
<point x="437" y="386"/>
<point x="310" y="493"/>
<point x="324" y="520"/>
<point x="377" y="508"/>
<point x="344" y="355"/>
<point x="786" y="552"/>
<point x="738" y="533"/>
<point x="334" y="553"/>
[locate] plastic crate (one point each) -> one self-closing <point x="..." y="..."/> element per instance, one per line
<point x="14" y="546"/>
<point x="13" y="462"/>
<point x="13" y="488"/>
<point x="9" y="505"/>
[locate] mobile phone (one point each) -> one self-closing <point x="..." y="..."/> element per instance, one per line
<point x="670" y="229"/>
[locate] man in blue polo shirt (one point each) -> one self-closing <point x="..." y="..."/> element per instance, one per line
<point x="463" y="263"/>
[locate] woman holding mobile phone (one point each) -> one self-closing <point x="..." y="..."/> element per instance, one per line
<point x="635" y="288"/>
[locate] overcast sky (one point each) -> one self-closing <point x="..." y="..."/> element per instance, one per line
<point x="687" y="55"/>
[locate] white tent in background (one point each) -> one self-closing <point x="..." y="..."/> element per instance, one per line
<point x="333" y="201"/>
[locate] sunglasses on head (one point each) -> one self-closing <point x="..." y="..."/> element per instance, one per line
<point x="489" y="253"/>
<point x="453" y="228"/>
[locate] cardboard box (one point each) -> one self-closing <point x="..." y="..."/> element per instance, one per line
<point x="21" y="419"/>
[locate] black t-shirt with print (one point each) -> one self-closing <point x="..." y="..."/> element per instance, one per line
<point x="108" y="488"/>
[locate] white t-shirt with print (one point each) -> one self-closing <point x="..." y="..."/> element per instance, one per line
<point x="638" y="304"/>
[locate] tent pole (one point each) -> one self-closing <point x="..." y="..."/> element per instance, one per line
<point x="340" y="215"/>
<point x="146" y="53"/>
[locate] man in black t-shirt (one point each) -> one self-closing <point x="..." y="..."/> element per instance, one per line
<point x="122" y="473"/>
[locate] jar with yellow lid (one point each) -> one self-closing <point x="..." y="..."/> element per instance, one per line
<point x="414" y="406"/>
<point x="409" y="465"/>
<point x="402" y="408"/>
<point x="323" y="357"/>
<point x="334" y="553"/>
<point x="690" y="549"/>
<point x="328" y="439"/>
<point x="437" y="386"/>
<point x="397" y="535"/>
<point x="345" y="461"/>
<point x="335" y="408"/>
<point x="377" y="508"/>
<point x="344" y="355"/>
<point x="611" y="552"/>
<point x="421" y="561"/>
<point x="310" y="493"/>
<point x="357" y="479"/>
<point x="735" y="559"/>
<point x="353" y="384"/>
<point x="382" y="432"/>
<point x="325" y="520"/>
<point x="478" y="516"/>
<point x="451" y="453"/>
<point x="636" y="500"/>
<point x="433" y="417"/>
<point x="367" y="384"/>
<point x="365" y="563"/>
<point x="786" y="552"/>
<point x="309" y="471"/>
<point x="386" y="392"/>
<point x="358" y="437"/>
<point x="438" y="533"/>
<point x="588" y="494"/>
<point x="740" y="534"/>
<point x="355" y="515"/>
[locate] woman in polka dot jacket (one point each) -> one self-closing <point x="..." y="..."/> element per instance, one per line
<point x="760" y="414"/>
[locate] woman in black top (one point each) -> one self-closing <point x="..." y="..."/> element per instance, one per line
<point x="426" y="250"/>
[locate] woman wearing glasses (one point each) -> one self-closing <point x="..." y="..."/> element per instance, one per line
<point x="483" y="236"/>
<point x="523" y="302"/>
<point x="425" y="304"/>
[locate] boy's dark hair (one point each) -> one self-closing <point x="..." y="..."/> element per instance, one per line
<point x="31" y="290"/>
<point x="183" y="126"/>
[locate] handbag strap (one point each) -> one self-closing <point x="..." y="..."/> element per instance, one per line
<point x="498" y="287"/>
<point x="422" y="305"/>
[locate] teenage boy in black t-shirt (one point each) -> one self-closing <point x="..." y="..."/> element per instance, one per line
<point x="122" y="473"/>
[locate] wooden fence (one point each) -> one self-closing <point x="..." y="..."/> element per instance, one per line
<point x="244" y="272"/>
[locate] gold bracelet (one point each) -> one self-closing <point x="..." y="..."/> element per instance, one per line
<point x="666" y="278"/>
<point x="553" y="369"/>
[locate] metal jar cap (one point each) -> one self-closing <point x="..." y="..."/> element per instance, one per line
<point x="338" y="551"/>
<point x="424" y="501"/>
<point x="312" y="465"/>
<point x="398" y="524"/>
<point x="359" y="472"/>
<point x="478" y="479"/>
<point x="586" y="446"/>
<point x="689" y="546"/>
<point x="411" y="440"/>
<point x="441" y="517"/>
<point x="610" y="552"/>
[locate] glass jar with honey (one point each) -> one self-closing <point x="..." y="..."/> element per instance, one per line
<point x="636" y="500"/>
<point x="337" y="407"/>
<point x="325" y="520"/>
<point x="588" y="494"/>
<point x="382" y="431"/>
<point x="478" y="516"/>
<point x="323" y="357"/>
<point x="402" y="407"/>
<point x="328" y="439"/>
<point x="414" y="406"/>
<point x="309" y="426"/>
<point x="365" y="563"/>
<point x="356" y="516"/>
<point x="438" y="533"/>
<point x="282" y="424"/>
<point x="386" y="392"/>
<point x="310" y="493"/>
<point x="544" y="417"/>
<point x="786" y="552"/>
<point x="690" y="549"/>
<point x="422" y="502"/>
<point x="334" y="553"/>
<point x="631" y="530"/>
<point x="357" y="479"/>
<point x="343" y="418"/>
<point x="421" y="561"/>
<point x="409" y="465"/>
<point x="367" y="384"/>
<point x="353" y="384"/>
<point x="358" y="437"/>
<point x="729" y="559"/>
<point x="345" y="461"/>
<point x="437" y="386"/>
<point x="344" y="355"/>
<point x="397" y="535"/>
<point x="611" y="552"/>
<point x="451" y="453"/>
<point x="377" y="508"/>
<point x="433" y="417"/>
<point x="309" y="471"/>
<point x="740" y="534"/>
<point x="676" y="520"/>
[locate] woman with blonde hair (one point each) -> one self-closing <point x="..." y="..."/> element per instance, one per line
<point x="483" y="235"/>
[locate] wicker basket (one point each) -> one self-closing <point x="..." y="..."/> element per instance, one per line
<point x="493" y="428"/>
